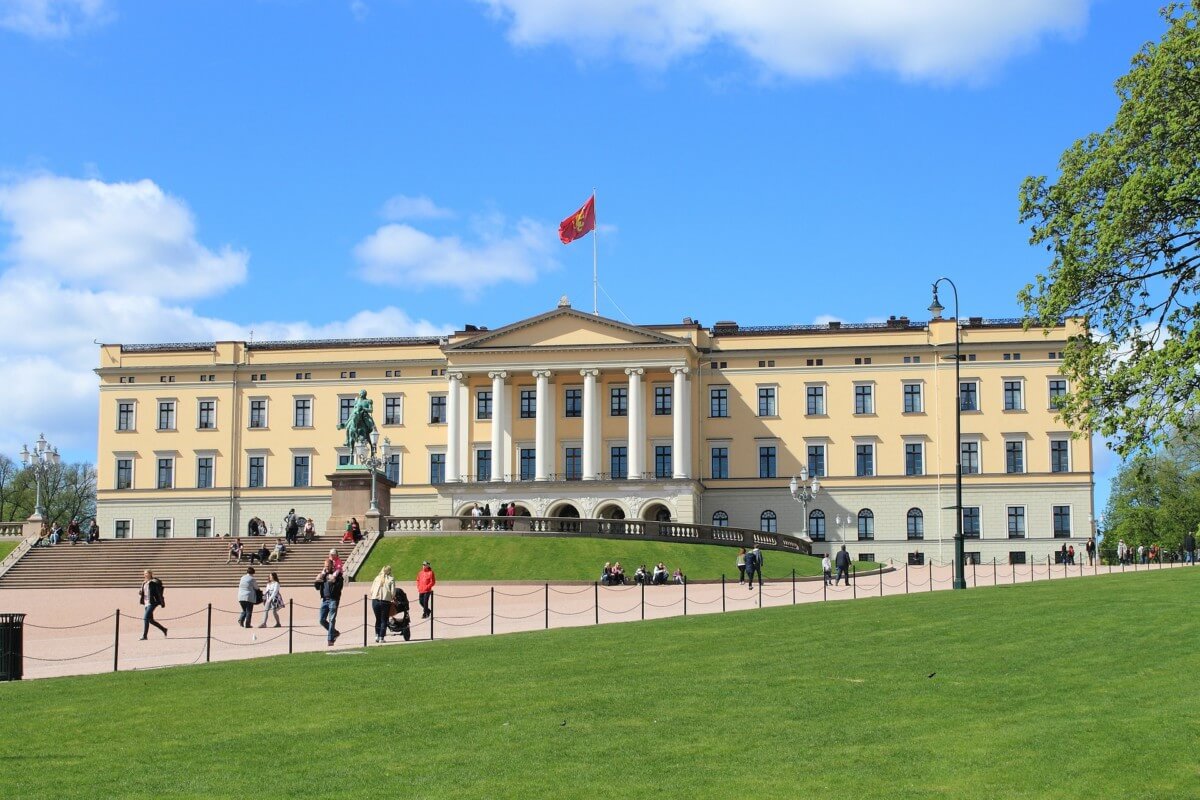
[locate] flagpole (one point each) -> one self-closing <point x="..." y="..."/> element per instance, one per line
<point x="595" y="251"/>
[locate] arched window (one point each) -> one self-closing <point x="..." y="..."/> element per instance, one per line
<point x="767" y="522"/>
<point x="816" y="525"/>
<point x="720" y="519"/>
<point x="916" y="524"/>
<point x="866" y="524"/>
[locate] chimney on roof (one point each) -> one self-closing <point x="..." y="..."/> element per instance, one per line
<point x="835" y="324"/>
<point x="470" y="328"/>
<point x="975" y="321"/>
<point x="725" y="326"/>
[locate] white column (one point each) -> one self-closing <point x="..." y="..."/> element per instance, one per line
<point x="543" y="426"/>
<point x="499" y="419"/>
<point x="591" y="424"/>
<point x="637" y="424"/>
<point x="681" y="425"/>
<point x="453" y="428"/>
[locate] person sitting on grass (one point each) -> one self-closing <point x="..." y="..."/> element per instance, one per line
<point x="660" y="574"/>
<point x="235" y="551"/>
<point x="618" y="574"/>
<point x="678" y="577"/>
<point x="606" y="574"/>
<point x="640" y="576"/>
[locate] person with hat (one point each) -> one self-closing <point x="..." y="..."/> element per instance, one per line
<point x="425" y="581"/>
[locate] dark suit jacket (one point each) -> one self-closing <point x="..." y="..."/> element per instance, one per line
<point x="157" y="598"/>
<point x="842" y="560"/>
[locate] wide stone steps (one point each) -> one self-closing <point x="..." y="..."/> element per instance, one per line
<point x="117" y="563"/>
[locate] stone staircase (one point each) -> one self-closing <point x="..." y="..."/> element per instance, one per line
<point x="118" y="563"/>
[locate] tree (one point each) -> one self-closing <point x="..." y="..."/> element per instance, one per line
<point x="1122" y="223"/>
<point x="68" y="490"/>
<point x="1155" y="499"/>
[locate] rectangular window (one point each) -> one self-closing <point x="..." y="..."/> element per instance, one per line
<point x="162" y="529"/>
<point x="392" y="468"/>
<point x="574" y="463"/>
<point x="528" y="463"/>
<point x="864" y="460"/>
<point x="204" y="472"/>
<point x="393" y="411"/>
<point x="122" y="529"/>
<point x="300" y="471"/>
<point x="343" y="459"/>
<point x="816" y="401"/>
<point x="483" y="465"/>
<point x="437" y="409"/>
<point x="204" y="529"/>
<point x="720" y="462"/>
<point x="913" y="403"/>
<point x="125" y="417"/>
<point x="1058" y="392"/>
<point x="1016" y="556"/>
<point x="257" y="474"/>
<point x="968" y="395"/>
<point x="573" y="403"/>
<point x="437" y="468"/>
<point x="971" y="522"/>
<point x="124" y="473"/>
<point x="166" y="415"/>
<point x="718" y="402"/>
<point x="258" y="413"/>
<point x="207" y="418"/>
<point x="483" y="404"/>
<point x="766" y="401"/>
<point x="1012" y="396"/>
<point x="166" y="473"/>
<point x="970" y="458"/>
<point x="662" y="401"/>
<point x="345" y="406"/>
<point x="1014" y="456"/>
<point x="302" y="415"/>
<point x="618" y="462"/>
<point x="766" y="462"/>
<point x="618" y="401"/>
<point x="662" y="461"/>
<point x="1016" y="522"/>
<point x="914" y="458"/>
<point x="528" y="403"/>
<point x="1062" y="522"/>
<point x="864" y="399"/>
<point x="816" y="460"/>
<point x="1060" y="455"/>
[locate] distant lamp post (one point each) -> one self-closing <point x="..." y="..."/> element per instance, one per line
<point x="839" y="521"/>
<point x="40" y="459"/>
<point x="803" y="493"/>
<point x="375" y="459"/>
<point x="936" y="309"/>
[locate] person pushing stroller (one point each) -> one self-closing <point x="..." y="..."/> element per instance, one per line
<point x="399" y="620"/>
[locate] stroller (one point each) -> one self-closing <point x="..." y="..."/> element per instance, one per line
<point x="399" y="620"/>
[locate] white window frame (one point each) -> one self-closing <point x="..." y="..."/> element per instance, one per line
<point x="397" y="454"/>
<point x="920" y="441"/>
<point x="1050" y="397"/>
<point x="759" y="387"/>
<point x="817" y="441"/>
<point x="859" y="441"/>
<point x="212" y="528"/>
<point x="431" y="451"/>
<point x="824" y="387"/>
<point x="728" y="445"/>
<point x="131" y="457"/>
<point x="1024" y="519"/>
<point x="133" y="427"/>
<point x="206" y="454"/>
<point x="170" y="529"/>
<point x="300" y="451"/>
<point x="854" y="407"/>
<point x="715" y="387"/>
<point x="266" y="461"/>
<point x="608" y="447"/>
<point x="1013" y="379"/>
<point x="977" y="440"/>
<point x="981" y="523"/>
<point x="215" y="412"/>
<point x="920" y="384"/>
<point x="1009" y="438"/>
<point x="266" y="401"/>
<point x="129" y="529"/>
<point x="429" y="408"/>
<point x="978" y="396"/>
<point x="400" y="396"/>
<point x="1071" y="530"/>
<point x="312" y="411"/>
<point x="1050" y="454"/>
<point x="158" y="403"/>
<point x="174" y="457"/>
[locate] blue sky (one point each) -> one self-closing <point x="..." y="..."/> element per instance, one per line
<point x="195" y="169"/>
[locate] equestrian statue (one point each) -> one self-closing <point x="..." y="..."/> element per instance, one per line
<point x="360" y="422"/>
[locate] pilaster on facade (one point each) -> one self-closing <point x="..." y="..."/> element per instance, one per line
<point x="455" y="435"/>
<point x="637" y="424"/>
<point x="543" y="426"/>
<point x="591" y="424"/>
<point x="681" y="424"/>
<point x="501" y="422"/>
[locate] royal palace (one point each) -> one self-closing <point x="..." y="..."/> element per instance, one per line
<point x="569" y="414"/>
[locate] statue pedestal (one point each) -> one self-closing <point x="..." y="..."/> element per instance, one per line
<point x="352" y="498"/>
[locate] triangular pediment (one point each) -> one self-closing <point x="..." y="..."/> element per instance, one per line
<point x="565" y="327"/>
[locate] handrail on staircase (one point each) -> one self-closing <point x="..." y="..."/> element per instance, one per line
<point x="17" y="553"/>
<point x="359" y="554"/>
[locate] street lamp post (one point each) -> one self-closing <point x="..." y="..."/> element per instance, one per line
<point x="40" y="459"/>
<point x="376" y="459"/>
<point x="803" y="493"/>
<point x="936" y="309"/>
<point x="840" y="521"/>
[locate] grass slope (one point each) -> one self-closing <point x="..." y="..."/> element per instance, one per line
<point x="508" y="558"/>
<point x="7" y="547"/>
<point x="1071" y="689"/>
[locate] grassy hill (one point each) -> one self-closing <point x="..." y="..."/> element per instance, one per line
<point x="1066" y="689"/>
<point x="7" y="546"/>
<point x="535" y="558"/>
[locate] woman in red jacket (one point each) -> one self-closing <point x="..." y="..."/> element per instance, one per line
<point x="425" y="582"/>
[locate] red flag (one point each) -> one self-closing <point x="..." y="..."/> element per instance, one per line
<point x="581" y="222"/>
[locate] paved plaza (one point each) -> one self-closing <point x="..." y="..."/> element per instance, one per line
<point x="73" y="632"/>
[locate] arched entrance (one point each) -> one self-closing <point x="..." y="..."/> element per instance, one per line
<point x="657" y="512"/>
<point x="610" y="511"/>
<point x="568" y="516"/>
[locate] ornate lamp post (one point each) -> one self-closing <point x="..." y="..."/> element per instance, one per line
<point x="40" y="459"/>
<point x="839" y="520"/>
<point x="803" y="493"/>
<point x="376" y="458"/>
<point x="936" y="309"/>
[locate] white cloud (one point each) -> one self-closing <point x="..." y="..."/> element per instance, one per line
<point x="359" y="10"/>
<point x="126" y="236"/>
<point x="799" y="38"/>
<point x="405" y="207"/>
<point x="50" y="19"/>
<point x="400" y="255"/>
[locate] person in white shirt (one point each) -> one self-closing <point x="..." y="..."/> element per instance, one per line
<point x="272" y="600"/>
<point x="826" y="569"/>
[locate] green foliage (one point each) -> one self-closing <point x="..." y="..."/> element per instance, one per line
<point x="1155" y="499"/>
<point x="1122" y="223"/>
<point x="68" y="490"/>
<point x="1013" y="692"/>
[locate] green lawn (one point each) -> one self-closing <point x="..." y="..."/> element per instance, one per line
<point x="536" y="558"/>
<point x="1067" y="689"/>
<point x="7" y="546"/>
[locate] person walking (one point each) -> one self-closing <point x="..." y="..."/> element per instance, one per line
<point x="329" y="585"/>
<point x="248" y="594"/>
<point x="1189" y="548"/>
<point x="752" y="566"/>
<point x="1122" y="551"/>
<point x="741" y="565"/>
<point x="826" y="569"/>
<point x="425" y="582"/>
<point x="383" y="591"/>
<point x="1090" y="547"/>
<point x="272" y="600"/>
<point x="151" y="596"/>
<point x="842" y="562"/>
<point x="290" y="527"/>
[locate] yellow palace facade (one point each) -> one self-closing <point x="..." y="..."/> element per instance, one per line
<point x="572" y="414"/>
